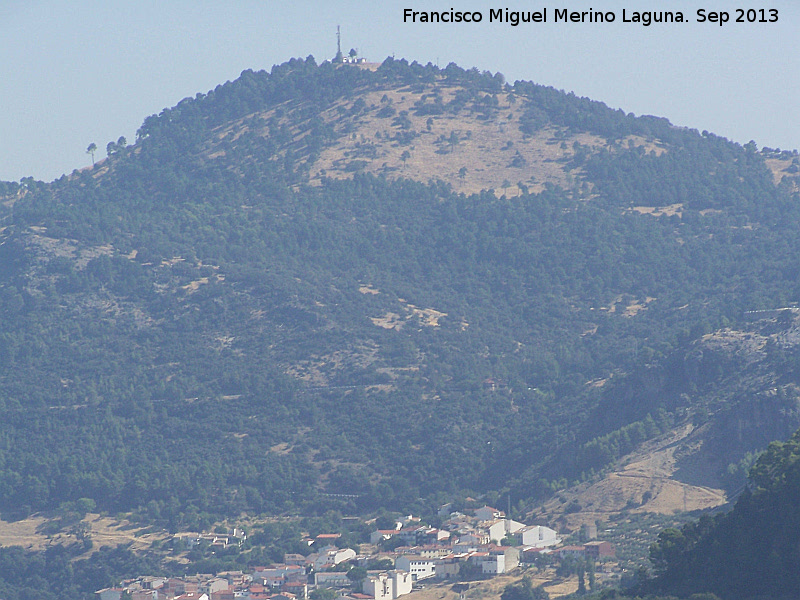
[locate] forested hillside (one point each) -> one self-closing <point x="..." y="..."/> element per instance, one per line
<point x="226" y="317"/>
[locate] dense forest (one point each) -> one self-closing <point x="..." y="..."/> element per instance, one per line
<point x="192" y="329"/>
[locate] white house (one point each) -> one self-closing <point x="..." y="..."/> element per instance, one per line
<point x="513" y="526"/>
<point x="109" y="594"/>
<point x="417" y="566"/>
<point x="330" y="558"/>
<point x="537" y="536"/>
<point x="403" y="582"/>
<point x="388" y="586"/>
<point x="380" y="587"/>
<point x="331" y="579"/>
<point x="493" y="564"/>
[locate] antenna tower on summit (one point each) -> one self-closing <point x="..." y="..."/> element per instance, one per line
<point x="339" y="54"/>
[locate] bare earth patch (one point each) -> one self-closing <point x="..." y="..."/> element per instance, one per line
<point x="105" y="531"/>
<point x="23" y="533"/>
<point x="389" y="321"/>
<point x="473" y="149"/>
<point x="658" y="211"/>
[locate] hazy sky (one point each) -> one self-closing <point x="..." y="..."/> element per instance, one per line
<point x="90" y="71"/>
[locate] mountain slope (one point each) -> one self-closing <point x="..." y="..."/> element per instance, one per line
<point x="256" y="305"/>
<point x="750" y="552"/>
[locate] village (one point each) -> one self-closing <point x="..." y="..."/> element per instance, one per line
<point x="466" y="547"/>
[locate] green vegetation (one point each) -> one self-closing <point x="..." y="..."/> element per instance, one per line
<point x="524" y="590"/>
<point x="749" y="553"/>
<point x="184" y="334"/>
<point x="57" y="573"/>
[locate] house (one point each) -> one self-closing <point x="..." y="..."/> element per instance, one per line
<point x="403" y="582"/>
<point x="256" y="589"/>
<point x="176" y="587"/>
<point x="294" y="559"/>
<point x="295" y="573"/>
<point x="465" y="548"/>
<point x="449" y="567"/>
<point x="388" y="586"/>
<point x="597" y="550"/>
<point x="217" y="584"/>
<point x="510" y="554"/>
<point x="537" y="536"/>
<point x="276" y="575"/>
<point x="298" y="588"/>
<point x="513" y="526"/>
<point x="152" y="583"/>
<point x="331" y="558"/>
<point x="417" y="566"/>
<point x="108" y="594"/>
<point x="236" y="578"/>
<point x="192" y="596"/>
<point x="430" y="551"/>
<point x="379" y="587"/>
<point x="488" y="513"/>
<point x="492" y="564"/>
<point x="494" y="530"/>
<point x="498" y="560"/>
<point x="332" y="579"/>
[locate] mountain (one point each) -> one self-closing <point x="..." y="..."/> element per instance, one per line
<point x="354" y="287"/>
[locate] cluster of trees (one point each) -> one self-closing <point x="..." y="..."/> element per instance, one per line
<point x="59" y="572"/>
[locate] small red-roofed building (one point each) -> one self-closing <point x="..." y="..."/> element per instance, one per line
<point x="297" y="588"/>
<point x="256" y="588"/>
